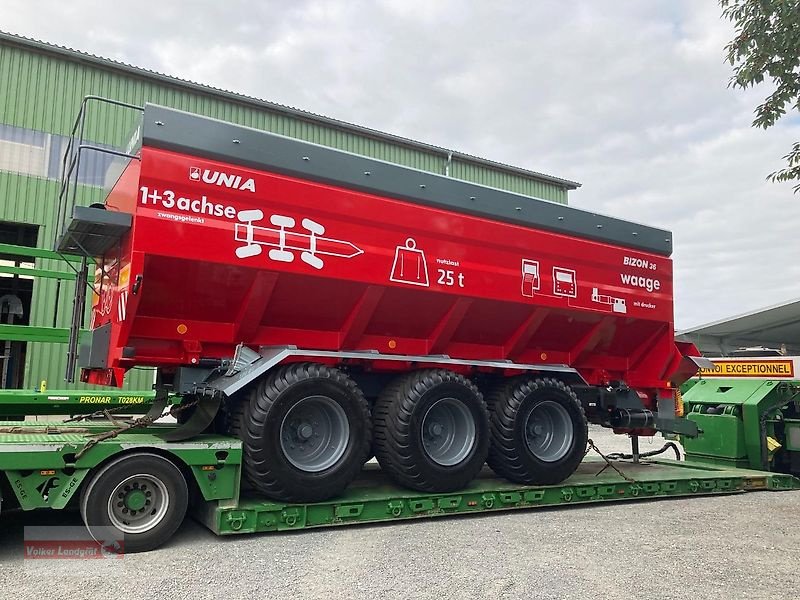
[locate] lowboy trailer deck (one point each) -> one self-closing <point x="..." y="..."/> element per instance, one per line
<point x="47" y="467"/>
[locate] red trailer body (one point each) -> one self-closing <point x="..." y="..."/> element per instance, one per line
<point x="221" y="254"/>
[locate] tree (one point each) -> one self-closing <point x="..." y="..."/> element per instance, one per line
<point x="767" y="44"/>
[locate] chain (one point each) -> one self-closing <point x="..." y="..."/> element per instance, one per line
<point x="591" y="446"/>
<point x="141" y="423"/>
<point x="106" y="412"/>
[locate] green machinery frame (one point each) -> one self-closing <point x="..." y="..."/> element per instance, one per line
<point x="46" y="465"/>
<point x="40" y="401"/>
<point x="27" y="333"/>
<point x="741" y="421"/>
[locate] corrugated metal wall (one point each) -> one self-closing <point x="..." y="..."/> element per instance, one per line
<point x="42" y="91"/>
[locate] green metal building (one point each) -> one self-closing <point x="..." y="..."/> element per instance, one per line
<point x="41" y="87"/>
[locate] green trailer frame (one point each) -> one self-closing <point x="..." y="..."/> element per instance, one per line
<point x="373" y="498"/>
<point x="47" y="466"/>
<point x="45" y="463"/>
<point x="15" y="403"/>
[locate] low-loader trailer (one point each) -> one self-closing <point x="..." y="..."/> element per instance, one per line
<point x="313" y="309"/>
<point x="146" y="485"/>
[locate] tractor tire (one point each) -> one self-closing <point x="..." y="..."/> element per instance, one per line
<point x="538" y="429"/>
<point x="233" y="415"/>
<point x="431" y="431"/>
<point x="306" y="433"/>
<point x="134" y="503"/>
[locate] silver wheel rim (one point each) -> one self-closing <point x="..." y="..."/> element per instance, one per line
<point x="138" y="503"/>
<point x="314" y="434"/>
<point x="448" y="432"/>
<point x="549" y="431"/>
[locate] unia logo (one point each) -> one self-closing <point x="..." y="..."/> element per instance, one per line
<point x="220" y="178"/>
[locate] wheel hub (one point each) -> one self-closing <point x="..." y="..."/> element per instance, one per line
<point x="314" y="434"/>
<point x="136" y="500"/>
<point x="138" y="504"/>
<point x="305" y="431"/>
<point x="549" y="431"/>
<point x="448" y="432"/>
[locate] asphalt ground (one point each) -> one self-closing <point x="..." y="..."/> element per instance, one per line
<point x="737" y="546"/>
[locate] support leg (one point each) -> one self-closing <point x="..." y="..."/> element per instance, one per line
<point x="635" y="448"/>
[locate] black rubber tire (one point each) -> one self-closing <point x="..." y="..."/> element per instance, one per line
<point x="97" y="491"/>
<point x="233" y="417"/>
<point x="233" y="422"/>
<point x="397" y="418"/>
<point x="258" y="425"/>
<point x="509" y="454"/>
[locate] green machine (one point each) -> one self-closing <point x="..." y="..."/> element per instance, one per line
<point x="748" y="410"/>
<point x="21" y="268"/>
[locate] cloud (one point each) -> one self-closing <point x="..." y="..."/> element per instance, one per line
<point x="630" y="98"/>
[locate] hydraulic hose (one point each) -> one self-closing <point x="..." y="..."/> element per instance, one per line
<point x="664" y="448"/>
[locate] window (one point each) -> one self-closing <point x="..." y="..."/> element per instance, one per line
<point x="24" y="151"/>
<point x="40" y="154"/>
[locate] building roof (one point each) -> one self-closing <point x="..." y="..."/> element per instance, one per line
<point x="106" y="63"/>
<point x="773" y="327"/>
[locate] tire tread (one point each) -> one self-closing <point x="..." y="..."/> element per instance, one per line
<point x="249" y="417"/>
<point x="392" y="425"/>
<point x="506" y="452"/>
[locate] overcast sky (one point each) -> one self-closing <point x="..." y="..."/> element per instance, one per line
<point x="630" y="98"/>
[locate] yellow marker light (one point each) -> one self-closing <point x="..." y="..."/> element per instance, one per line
<point x="679" y="409"/>
<point x="47" y="472"/>
<point x="182" y="329"/>
<point x="392" y="344"/>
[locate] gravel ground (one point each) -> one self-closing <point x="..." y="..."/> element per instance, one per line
<point x="744" y="545"/>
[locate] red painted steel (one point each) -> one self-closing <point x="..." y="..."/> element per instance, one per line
<point x="224" y="254"/>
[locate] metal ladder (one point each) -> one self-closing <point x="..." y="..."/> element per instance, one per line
<point x="70" y="240"/>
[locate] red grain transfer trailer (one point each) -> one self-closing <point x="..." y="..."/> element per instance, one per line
<point x="325" y="307"/>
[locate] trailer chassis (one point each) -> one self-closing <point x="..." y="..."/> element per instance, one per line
<point x="49" y="466"/>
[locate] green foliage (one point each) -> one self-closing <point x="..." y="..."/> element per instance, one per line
<point x="767" y="45"/>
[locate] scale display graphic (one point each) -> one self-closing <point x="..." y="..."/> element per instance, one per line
<point x="564" y="282"/>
